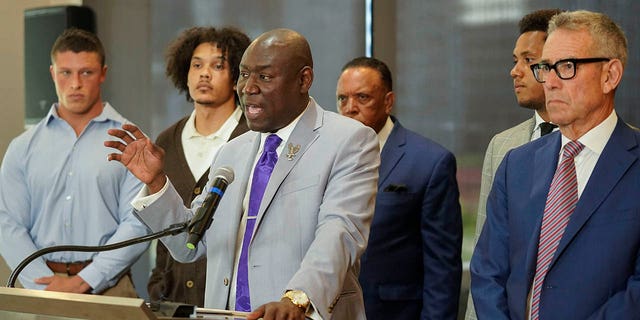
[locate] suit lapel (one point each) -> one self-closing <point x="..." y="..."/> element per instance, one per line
<point x="392" y="152"/>
<point x="614" y="161"/>
<point x="241" y="128"/>
<point x="303" y="135"/>
<point x="544" y="167"/>
<point x="243" y="163"/>
<point x="519" y="137"/>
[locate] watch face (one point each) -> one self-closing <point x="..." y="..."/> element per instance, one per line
<point x="298" y="298"/>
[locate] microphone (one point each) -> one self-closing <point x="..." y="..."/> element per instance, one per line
<point x="204" y="215"/>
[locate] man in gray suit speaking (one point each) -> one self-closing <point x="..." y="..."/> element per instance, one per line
<point x="287" y="238"/>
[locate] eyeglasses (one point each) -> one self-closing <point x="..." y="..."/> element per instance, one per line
<point x="565" y="68"/>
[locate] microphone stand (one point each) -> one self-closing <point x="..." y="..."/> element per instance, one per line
<point x="171" y="230"/>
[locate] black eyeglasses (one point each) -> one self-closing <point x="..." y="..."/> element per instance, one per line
<point x="565" y="68"/>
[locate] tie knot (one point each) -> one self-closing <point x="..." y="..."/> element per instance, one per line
<point x="272" y="142"/>
<point x="546" y="128"/>
<point x="572" y="149"/>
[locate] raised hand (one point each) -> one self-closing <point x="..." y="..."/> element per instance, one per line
<point x="143" y="158"/>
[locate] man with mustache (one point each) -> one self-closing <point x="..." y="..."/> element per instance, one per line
<point x="203" y="63"/>
<point x="412" y="266"/>
<point x="288" y="235"/>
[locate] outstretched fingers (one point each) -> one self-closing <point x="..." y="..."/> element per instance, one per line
<point x="121" y="134"/>
<point x="134" y="131"/>
<point x="138" y="153"/>
<point x="127" y="135"/>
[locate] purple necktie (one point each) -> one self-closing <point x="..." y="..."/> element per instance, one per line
<point x="261" y="175"/>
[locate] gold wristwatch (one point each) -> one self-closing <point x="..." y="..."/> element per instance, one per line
<point x="298" y="298"/>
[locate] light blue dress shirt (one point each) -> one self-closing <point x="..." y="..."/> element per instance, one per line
<point x="57" y="188"/>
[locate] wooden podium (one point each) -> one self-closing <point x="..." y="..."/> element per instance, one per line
<point x="26" y="304"/>
<point x="17" y="303"/>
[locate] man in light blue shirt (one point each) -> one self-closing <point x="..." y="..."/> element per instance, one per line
<point x="57" y="187"/>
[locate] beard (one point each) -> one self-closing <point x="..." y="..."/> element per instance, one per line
<point x="532" y="104"/>
<point x="205" y="102"/>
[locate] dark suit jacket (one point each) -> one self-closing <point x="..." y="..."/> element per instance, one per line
<point x="412" y="266"/>
<point x="171" y="280"/>
<point x="595" y="272"/>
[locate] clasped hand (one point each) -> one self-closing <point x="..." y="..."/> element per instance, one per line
<point x="74" y="284"/>
<point x="142" y="157"/>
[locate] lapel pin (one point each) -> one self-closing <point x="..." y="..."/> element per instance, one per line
<point x="293" y="150"/>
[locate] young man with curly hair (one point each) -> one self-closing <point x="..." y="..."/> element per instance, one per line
<point x="203" y="63"/>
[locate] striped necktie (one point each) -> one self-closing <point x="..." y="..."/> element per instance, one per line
<point x="561" y="202"/>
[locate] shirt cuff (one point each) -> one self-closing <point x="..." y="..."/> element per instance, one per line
<point x="312" y="313"/>
<point x="94" y="279"/>
<point x="143" y="199"/>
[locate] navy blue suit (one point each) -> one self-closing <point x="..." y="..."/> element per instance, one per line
<point x="595" y="272"/>
<point x="412" y="266"/>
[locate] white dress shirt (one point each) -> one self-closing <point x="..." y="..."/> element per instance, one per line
<point x="199" y="150"/>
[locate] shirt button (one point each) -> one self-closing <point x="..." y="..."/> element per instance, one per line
<point x="189" y="284"/>
<point x="226" y="281"/>
<point x="68" y="198"/>
<point x="197" y="191"/>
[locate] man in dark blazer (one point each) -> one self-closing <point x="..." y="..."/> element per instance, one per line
<point x="529" y="94"/>
<point x="412" y="266"/>
<point x="203" y="64"/>
<point x="594" y="270"/>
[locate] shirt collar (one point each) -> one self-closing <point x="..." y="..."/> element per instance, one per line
<point x="189" y="130"/>
<point x="384" y="133"/>
<point x="539" y="120"/>
<point x="108" y="113"/>
<point x="284" y="132"/>
<point x="596" y="139"/>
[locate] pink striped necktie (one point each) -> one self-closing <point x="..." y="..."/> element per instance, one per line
<point x="561" y="202"/>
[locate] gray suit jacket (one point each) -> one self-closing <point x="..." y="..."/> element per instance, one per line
<point x="500" y="144"/>
<point x="313" y="223"/>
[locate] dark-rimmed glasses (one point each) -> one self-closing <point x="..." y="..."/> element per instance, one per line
<point x="565" y="68"/>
